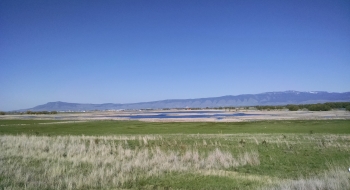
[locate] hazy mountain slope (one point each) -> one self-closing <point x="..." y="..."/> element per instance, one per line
<point x="268" y="98"/>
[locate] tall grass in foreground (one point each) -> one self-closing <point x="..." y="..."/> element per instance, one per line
<point x="174" y="161"/>
<point x="79" y="162"/>
<point x="335" y="179"/>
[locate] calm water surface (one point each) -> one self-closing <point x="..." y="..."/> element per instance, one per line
<point x="183" y="115"/>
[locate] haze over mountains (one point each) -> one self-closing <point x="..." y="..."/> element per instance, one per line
<point x="268" y="98"/>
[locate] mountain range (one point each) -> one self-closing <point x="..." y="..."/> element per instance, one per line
<point x="267" y="98"/>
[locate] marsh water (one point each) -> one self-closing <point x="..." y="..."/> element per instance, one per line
<point x="183" y="115"/>
<point x="158" y="115"/>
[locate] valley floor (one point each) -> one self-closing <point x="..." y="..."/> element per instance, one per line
<point x="239" y="161"/>
<point x="113" y="154"/>
<point x="185" y="116"/>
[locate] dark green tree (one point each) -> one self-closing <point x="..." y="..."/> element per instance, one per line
<point x="292" y="107"/>
<point x="347" y="108"/>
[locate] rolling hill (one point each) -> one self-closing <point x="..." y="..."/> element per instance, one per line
<point x="267" y="98"/>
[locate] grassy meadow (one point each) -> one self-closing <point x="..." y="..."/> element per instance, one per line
<point x="42" y="154"/>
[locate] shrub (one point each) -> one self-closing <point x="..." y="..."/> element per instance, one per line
<point x="292" y="107"/>
<point x="319" y="107"/>
<point x="347" y="108"/>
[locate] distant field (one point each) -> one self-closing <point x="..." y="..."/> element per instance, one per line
<point x="42" y="154"/>
<point x="54" y="127"/>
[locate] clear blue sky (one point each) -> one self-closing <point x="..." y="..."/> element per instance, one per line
<point x="127" y="51"/>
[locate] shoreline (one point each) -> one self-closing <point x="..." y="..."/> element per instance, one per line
<point x="248" y="115"/>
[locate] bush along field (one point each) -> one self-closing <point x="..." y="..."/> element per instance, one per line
<point x="269" y="159"/>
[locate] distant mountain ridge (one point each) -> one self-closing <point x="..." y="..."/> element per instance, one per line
<point x="267" y="98"/>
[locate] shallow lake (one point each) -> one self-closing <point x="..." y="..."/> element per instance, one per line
<point x="183" y="115"/>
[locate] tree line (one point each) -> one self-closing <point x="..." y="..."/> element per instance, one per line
<point x="291" y="107"/>
<point x="311" y="107"/>
<point x="28" y="112"/>
<point x="40" y="112"/>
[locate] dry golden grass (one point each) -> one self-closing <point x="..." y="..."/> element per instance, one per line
<point x="112" y="162"/>
<point x="72" y="162"/>
<point x="335" y="179"/>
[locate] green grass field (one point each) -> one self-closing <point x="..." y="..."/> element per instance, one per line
<point x="47" y="127"/>
<point x="40" y="154"/>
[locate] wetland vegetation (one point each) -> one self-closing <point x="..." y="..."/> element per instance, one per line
<point x="47" y="154"/>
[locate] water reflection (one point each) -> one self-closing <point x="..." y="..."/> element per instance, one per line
<point x="183" y="115"/>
